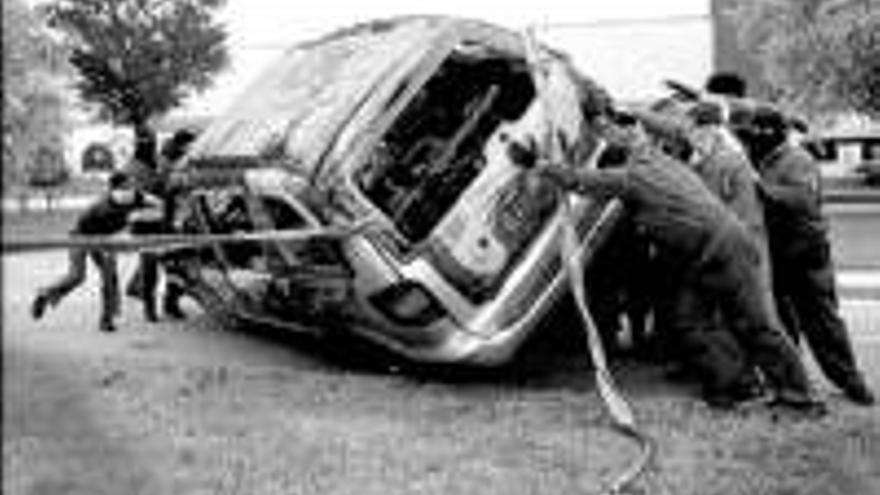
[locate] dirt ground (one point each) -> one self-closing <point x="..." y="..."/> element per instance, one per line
<point x="190" y="408"/>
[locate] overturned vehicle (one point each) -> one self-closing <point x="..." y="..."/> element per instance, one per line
<point x="398" y="134"/>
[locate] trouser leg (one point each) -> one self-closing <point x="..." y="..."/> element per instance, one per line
<point x="135" y="285"/>
<point x="788" y="315"/>
<point x="76" y="273"/>
<point x="174" y="292"/>
<point x="605" y="308"/>
<point x="784" y="305"/>
<point x="707" y="348"/>
<point x="177" y="266"/>
<point x="747" y="303"/>
<point x="638" y="283"/>
<point x="110" y="300"/>
<point x="149" y="283"/>
<point x="814" y="299"/>
<point x="664" y="318"/>
<point x="637" y="311"/>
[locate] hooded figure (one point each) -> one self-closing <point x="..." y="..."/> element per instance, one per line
<point x="803" y="270"/>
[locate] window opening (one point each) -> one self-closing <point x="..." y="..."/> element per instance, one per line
<point x="434" y="149"/>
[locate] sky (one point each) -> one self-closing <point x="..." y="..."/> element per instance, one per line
<point x="627" y="45"/>
<point x="277" y="21"/>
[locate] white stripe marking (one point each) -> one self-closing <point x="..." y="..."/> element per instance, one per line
<point x="862" y="279"/>
<point x="862" y="304"/>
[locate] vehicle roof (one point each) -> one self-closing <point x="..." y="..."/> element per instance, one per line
<point x="304" y="104"/>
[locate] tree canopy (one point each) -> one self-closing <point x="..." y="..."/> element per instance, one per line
<point x="34" y="102"/>
<point x="140" y="58"/>
<point x="817" y="55"/>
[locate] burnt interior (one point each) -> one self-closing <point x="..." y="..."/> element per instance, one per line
<point x="434" y="149"/>
<point x="309" y="279"/>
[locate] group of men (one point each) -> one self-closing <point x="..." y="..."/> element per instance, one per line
<point x="141" y="199"/>
<point x="730" y="207"/>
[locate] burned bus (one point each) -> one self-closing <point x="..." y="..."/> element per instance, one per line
<point x="402" y="132"/>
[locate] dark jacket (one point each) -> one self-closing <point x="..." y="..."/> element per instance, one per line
<point x="791" y="186"/>
<point x="105" y="217"/>
<point x="668" y="200"/>
<point x="729" y="174"/>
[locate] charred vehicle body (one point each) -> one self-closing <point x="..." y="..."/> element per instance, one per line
<point x="400" y="131"/>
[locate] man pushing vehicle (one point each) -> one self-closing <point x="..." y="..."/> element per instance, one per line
<point x="715" y="250"/>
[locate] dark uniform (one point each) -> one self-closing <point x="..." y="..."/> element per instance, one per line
<point x="104" y="217"/>
<point x="801" y="254"/>
<point x="616" y="282"/>
<point x="177" y="263"/>
<point x="143" y="170"/>
<point x="692" y="325"/>
<point x="144" y="281"/>
<point x="151" y="174"/>
<point x="685" y="219"/>
<point x="726" y="171"/>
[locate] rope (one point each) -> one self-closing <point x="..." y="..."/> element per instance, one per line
<point x="623" y="418"/>
<point x="619" y="409"/>
<point x="159" y="242"/>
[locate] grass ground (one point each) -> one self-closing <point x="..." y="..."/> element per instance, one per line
<point x="185" y="408"/>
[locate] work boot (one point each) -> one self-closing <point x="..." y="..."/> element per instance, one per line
<point x="800" y="403"/>
<point x="859" y="393"/>
<point x="38" y="307"/>
<point x="743" y="392"/>
<point x="171" y="307"/>
<point x="149" y="301"/>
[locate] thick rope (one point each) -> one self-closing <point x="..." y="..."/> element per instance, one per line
<point x="623" y="418"/>
<point x="620" y="411"/>
<point x="160" y="242"/>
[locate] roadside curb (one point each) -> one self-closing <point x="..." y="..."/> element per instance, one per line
<point x="860" y="284"/>
<point x="857" y="196"/>
<point x="862" y="317"/>
<point x="45" y="203"/>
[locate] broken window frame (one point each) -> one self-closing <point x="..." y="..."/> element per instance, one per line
<point x="402" y="245"/>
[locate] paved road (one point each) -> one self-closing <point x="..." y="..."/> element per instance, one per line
<point x="855" y="234"/>
<point x="191" y="408"/>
